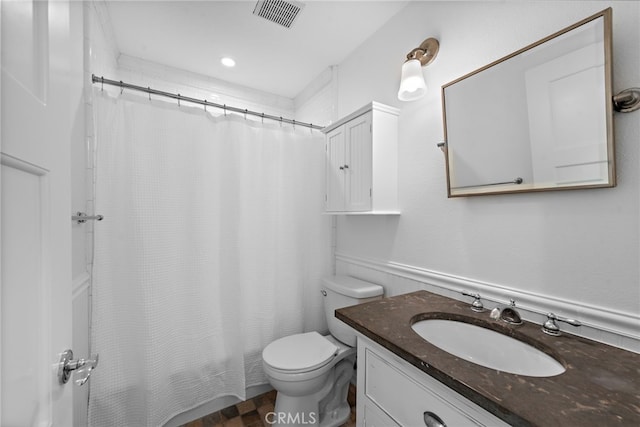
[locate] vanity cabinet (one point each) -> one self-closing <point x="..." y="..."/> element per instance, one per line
<point x="392" y="392"/>
<point x="362" y="162"/>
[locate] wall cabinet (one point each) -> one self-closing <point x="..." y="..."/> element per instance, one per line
<point x="362" y="162"/>
<point x="392" y="392"/>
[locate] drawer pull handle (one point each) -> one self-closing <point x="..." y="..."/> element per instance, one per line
<point x="432" y="420"/>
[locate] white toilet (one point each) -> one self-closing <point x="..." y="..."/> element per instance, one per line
<point x="311" y="372"/>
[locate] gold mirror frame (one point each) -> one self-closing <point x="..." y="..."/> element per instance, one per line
<point x="514" y="183"/>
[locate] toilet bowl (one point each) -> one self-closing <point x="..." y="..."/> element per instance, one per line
<point x="311" y="372"/>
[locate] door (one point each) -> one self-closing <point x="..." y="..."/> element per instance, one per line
<point x="335" y="171"/>
<point x="35" y="261"/>
<point x="567" y="122"/>
<point x="358" y="164"/>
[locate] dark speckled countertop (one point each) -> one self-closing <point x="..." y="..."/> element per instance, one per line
<point x="600" y="387"/>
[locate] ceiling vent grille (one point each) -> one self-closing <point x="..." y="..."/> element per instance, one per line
<point x="279" y="11"/>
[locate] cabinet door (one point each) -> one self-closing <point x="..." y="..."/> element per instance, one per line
<point x="375" y="417"/>
<point x="358" y="164"/>
<point x="335" y="172"/>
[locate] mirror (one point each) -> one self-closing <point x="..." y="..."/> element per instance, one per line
<point x="538" y="119"/>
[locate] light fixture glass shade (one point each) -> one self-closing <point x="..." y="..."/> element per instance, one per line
<point x="412" y="85"/>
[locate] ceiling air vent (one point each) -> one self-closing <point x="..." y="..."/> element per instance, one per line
<point x="281" y="12"/>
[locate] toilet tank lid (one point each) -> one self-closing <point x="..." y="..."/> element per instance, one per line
<point x="352" y="287"/>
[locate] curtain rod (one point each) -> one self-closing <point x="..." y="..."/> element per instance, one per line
<point x="204" y="102"/>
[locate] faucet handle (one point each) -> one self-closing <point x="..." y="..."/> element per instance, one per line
<point x="550" y="327"/>
<point x="476" y="305"/>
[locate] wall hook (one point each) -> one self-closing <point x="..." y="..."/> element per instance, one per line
<point x="627" y="101"/>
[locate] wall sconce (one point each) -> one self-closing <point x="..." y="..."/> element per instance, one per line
<point x="412" y="85"/>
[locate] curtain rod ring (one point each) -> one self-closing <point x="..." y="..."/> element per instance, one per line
<point x="102" y="84"/>
<point x="245" y="114"/>
<point x="178" y="100"/>
<point x="205" y="105"/>
<point x="149" y="92"/>
<point x="121" y="87"/>
<point x="225" y="109"/>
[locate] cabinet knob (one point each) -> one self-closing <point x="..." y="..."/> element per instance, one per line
<point x="432" y="420"/>
<point x="346" y="166"/>
<point x="341" y="168"/>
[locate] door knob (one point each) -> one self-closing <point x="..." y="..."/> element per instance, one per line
<point x="83" y="366"/>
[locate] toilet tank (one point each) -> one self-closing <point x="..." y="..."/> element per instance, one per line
<point x="344" y="291"/>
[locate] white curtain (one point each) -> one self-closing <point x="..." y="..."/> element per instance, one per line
<point x="213" y="245"/>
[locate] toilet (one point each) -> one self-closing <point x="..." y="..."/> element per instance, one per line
<point x="311" y="372"/>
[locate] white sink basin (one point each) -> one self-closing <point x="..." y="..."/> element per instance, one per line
<point x="488" y="348"/>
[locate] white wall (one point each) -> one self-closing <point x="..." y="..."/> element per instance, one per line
<point x="566" y="249"/>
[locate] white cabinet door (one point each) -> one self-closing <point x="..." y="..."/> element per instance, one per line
<point x="376" y="417"/>
<point x="349" y="166"/>
<point x="335" y="147"/>
<point x="35" y="263"/>
<point x="358" y="164"/>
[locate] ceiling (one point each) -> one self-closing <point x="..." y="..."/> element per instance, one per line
<point x="195" y="35"/>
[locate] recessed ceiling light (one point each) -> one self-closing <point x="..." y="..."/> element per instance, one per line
<point x="228" y="62"/>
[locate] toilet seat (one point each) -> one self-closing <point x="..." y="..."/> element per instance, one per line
<point x="299" y="353"/>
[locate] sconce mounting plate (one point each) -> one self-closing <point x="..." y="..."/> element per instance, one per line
<point x="426" y="52"/>
<point x="627" y="101"/>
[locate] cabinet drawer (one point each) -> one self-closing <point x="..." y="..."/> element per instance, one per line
<point x="406" y="400"/>
<point x="375" y="417"/>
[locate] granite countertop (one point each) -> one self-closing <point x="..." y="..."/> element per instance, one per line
<point x="600" y="387"/>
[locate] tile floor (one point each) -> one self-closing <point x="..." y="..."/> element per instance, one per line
<point x="251" y="413"/>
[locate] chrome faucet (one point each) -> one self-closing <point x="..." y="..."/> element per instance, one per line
<point x="510" y="315"/>
<point x="476" y="305"/>
<point x="550" y="327"/>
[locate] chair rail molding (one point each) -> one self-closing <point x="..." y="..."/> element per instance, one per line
<point x="619" y="329"/>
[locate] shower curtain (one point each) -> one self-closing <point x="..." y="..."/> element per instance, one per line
<point x="213" y="245"/>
